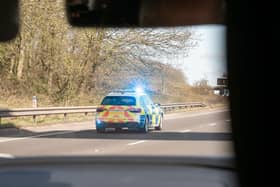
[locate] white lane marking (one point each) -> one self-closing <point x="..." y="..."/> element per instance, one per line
<point x="187" y="130"/>
<point x="212" y="124"/>
<point x="5" y="155"/>
<point x="96" y="150"/>
<point x="135" y="143"/>
<point x="36" y="136"/>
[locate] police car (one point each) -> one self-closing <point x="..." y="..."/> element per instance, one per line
<point x="131" y="110"/>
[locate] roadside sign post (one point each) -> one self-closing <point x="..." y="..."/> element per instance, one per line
<point x="34" y="102"/>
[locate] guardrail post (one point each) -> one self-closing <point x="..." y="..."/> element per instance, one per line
<point x="34" y="119"/>
<point x="65" y="115"/>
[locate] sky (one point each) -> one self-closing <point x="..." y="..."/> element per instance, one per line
<point x="208" y="59"/>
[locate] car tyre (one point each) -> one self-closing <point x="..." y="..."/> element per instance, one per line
<point x="145" y="129"/>
<point x="160" y="125"/>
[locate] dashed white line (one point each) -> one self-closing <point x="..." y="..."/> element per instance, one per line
<point x="36" y="136"/>
<point x="96" y="150"/>
<point x="135" y="143"/>
<point x="5" y="155"/>
<point x="212" y="124"/>
<point x="187" y="130"/>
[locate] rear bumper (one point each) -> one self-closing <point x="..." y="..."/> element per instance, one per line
<point x="130" y="125"/>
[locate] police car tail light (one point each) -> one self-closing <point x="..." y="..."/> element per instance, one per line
<point x="135" y="110"/>
<point x="100" y="109"/>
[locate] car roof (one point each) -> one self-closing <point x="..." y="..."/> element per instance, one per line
<point x="126" y="93"/>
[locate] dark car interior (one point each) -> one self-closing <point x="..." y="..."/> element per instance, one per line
<point x="244" y="64"/>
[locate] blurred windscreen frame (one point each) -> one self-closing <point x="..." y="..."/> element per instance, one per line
<point x="124" y="13"/>
<point x="145" y="13"/>
<point x="9" y="19"/>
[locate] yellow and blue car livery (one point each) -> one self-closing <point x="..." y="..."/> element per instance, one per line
<point x="128" y="110"/>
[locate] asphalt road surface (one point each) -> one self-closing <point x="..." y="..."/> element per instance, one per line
<point x="184" y="134"/>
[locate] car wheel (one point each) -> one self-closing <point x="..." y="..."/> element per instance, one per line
<point x="145" y="129"/>
<point x="160" y="125"/>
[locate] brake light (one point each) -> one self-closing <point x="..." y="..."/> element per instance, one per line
<point x="135" y="110"/>
<point x="100" y="109"/>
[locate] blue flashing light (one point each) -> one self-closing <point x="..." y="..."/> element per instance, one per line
<point x="98" y="122"/>
<point x="139" y="90"/>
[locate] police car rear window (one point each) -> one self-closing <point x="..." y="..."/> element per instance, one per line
<point x="119" y="100"/>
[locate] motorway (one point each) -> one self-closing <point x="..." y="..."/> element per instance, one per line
<point x="204" y="133"/>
